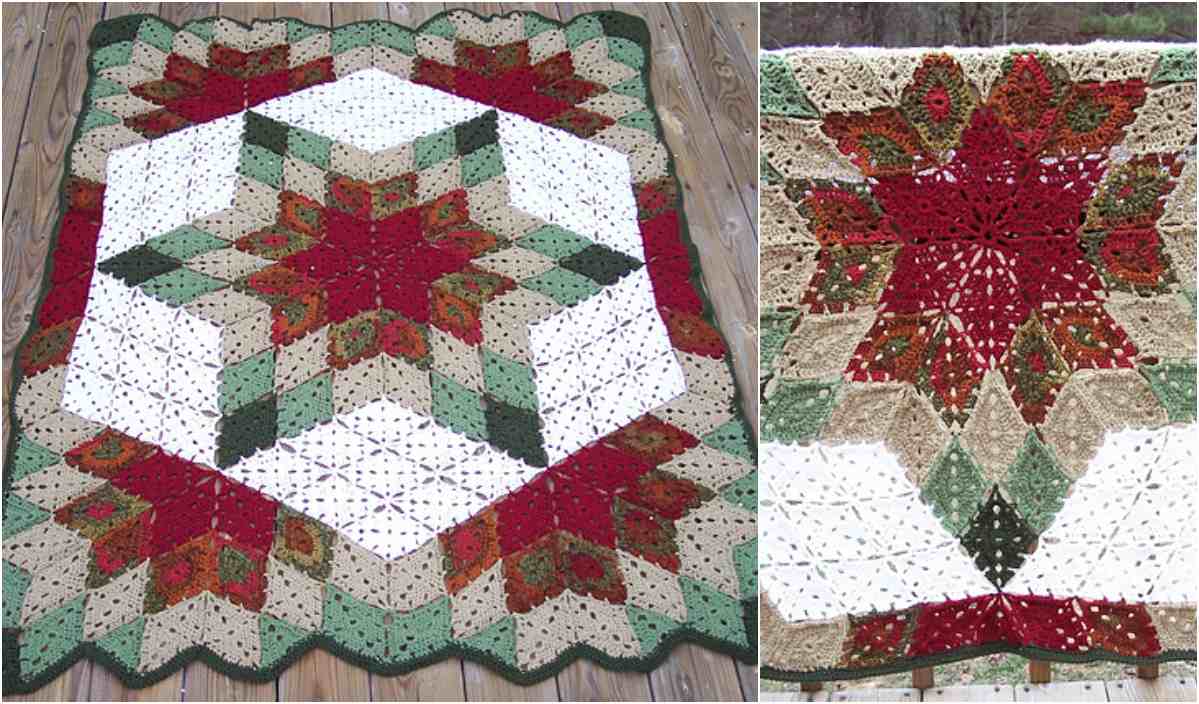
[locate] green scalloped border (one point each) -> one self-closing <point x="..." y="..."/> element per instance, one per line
<point x="13" y="684"/>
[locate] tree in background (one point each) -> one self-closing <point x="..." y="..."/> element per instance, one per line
<point x="971" y="24"/>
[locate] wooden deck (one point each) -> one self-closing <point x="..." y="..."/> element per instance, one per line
<point x="704" y="81"/>
<point x="1162" y="689"/>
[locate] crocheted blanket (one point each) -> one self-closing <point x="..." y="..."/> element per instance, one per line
<point x="379" y="340"/>
<point x="978" y="341"/>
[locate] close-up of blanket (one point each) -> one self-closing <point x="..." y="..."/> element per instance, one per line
<point x="978" y="356"/>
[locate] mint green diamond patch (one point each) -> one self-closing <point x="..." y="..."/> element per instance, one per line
<point x="49" y="639"/>
<point x="16" y="583"/>
<point x="19" y="514"/>
<point x="156" y="33"/>
<point x="305" y="406"/>
<point x="434" y="148"/>
<point x="277" y="638"/>
<point x="201" y="28"/>
<point x="731" y="437"/>
<point x="1174" y="65"/>
<point x="536" y="24"/>
<point x="483" y="164"/>
<point x="626" y="52"/>
<point x="350" y="36"/>
<point x="261" y="164"/>
<point x="309" y="146"/>
<point x="440" y="27"/>
<point x="633" y="87"/>
<point x="394" y="37"/>
<point x="297" y="30"/>
<point x="954" y="488"/>
<point x="554" y="242"/>
<point x="103" y="88"/>
<point x="743" y="492"/>
<point x="640" y="120"/>
<point x="509" y="380"/>
<point x="186" y="242"/>
<point x="767" y="172"/>
<point x="797" y="410"/>
<point x="181" y="286"/>
<point x="355" y="624"/>
<point x="582" y="30"/>
<point x="30" y="457"/>
<point x="125" y="643"/>
<point x="712" y="612"/>
<point x="1174" y="385"/>
<point x="421" y="632"/>
<point x="458" y="407"/>
<point x="650" y="627"/>
<point x="1037" y="487"/>
<point x="497" y="640"/>
<point x="97" y="118"/>
<point x="565" y="287"/>
<point x="247" y="380"/>
<point x="745" y="559"/>
<point x="775" y="328"/>
<point x="780" y="93"/>
<point x="116" y="54"/>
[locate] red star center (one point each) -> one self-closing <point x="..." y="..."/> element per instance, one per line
<point x="367" y="262"/>
<point x="987" y="240"/>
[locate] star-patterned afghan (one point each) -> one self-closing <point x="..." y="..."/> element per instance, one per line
<point x="978" y="342"/>
<point x="379" y="340"/>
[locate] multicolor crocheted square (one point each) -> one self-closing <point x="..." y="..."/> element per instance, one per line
<point x="978" y="351"/>
<point x="379" y="340"/>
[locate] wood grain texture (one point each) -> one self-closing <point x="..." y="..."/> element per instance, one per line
<point x="718" y="216"/>
<point x="22" y="23"/>
<point x="1061" y="692"/>
<point x="55" y="95"/>
<point x="1170" y="688"/>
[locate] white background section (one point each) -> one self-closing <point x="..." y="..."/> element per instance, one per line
<point x="601" y="364"/>
<point x="147" y="369"/>
<point x="843" y="531"/>
<point x="155" y="187"/>
<point x="586" y="188"/>
<point x="1127" y="529"/>
<point x="389" y="478"/>
<point x="372" y="110"/>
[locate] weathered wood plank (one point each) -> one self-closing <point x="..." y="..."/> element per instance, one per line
<point x="436" y="683"/>
<point x="692" y="673"/>
<point x="971" y="693"/>
<point x="71" y="685"/>
<point x="729" y="90"/>
<point x="747" y="675"/>
<point x="1062" y="692"/>
<point x="1170" y="688"/>
<point x="311" y="12"/>
<point x="31" y="209"/>
<point x="872" y="694"/>
<point x="22" y="23"/>
<point x="55" y="95"/>
<point x="483" y="685"/>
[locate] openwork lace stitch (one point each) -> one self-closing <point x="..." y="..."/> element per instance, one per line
<point x="379" y="340"/>
<point x="978" y="355"/>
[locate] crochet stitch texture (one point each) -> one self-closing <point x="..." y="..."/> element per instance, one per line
<point x="978" y="327"/>
<point x="380" y="340"/>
